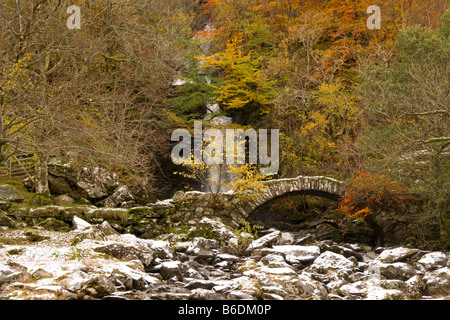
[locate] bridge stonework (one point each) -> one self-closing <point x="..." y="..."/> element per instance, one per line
<point x="320" y="186"/>
<point x="196" y="205"/>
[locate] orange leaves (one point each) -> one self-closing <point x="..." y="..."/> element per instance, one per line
<point x="371" y="193"/>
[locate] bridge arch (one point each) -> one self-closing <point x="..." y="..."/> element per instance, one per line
<point x="320" y="186"/>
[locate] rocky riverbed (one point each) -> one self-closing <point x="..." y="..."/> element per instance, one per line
<point x="96" y="262"/>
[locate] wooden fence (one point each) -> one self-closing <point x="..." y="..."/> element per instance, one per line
<point x="19" y="166"/>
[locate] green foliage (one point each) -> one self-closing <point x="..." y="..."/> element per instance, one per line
<point x="192" y="97"/>
<point x="407" y="106"/>
<point x="246" y="227"/>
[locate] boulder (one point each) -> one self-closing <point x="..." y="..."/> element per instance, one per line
<point x="385" y="294"/>
<point x="202" y="247"/>
<point x="92" y="233"/>
<point x="346" y="252"/>
<point x="202" y="284"/>
<point x="88" y="183"/>
<point x="330" y="261"/>
<point x="9" y="194"/>
<point x="193" y="274"/>
<point x="97" y="182"/>
<point x="6" y="221"/>
<point x="278" y="271"/>
<point x="297" y="254"/>
<point x="358" y="288"/>
<point x="80" y="224"/>
<point x="396" y="255"/>
<point x="213" y="227"/>
<point x="265" y="241"/>
<point x="308" y="288"/>
<point x="99" y="286"/>
<point x="53" y="224"/>
<point x="396" y="270"/>
<point x="121" y="196"/>
<point x="274" y="261"/>
<point x="203" y="294"/>
<point x="64" y="199"/>
<point x="128" y="252"/>
<point x="41" y="274"/>
<point x="240" y="295"/>
<point x="10" y="274"/>
<point x="170" y="269"/>
<point x="161" y="248"/>
<point x="62" y="179"/>
<point x="106" y="228"/>
<point x="438" y="282"/>
<point x="433" y="260"/>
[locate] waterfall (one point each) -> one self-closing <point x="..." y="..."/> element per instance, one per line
<point x="216" y="172"/>
<point x="219" y="173"/>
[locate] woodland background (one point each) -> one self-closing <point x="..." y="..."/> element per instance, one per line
<point x="368" y="106"/>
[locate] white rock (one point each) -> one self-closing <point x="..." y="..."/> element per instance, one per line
<point x="287" y="238"/>
<point x="75" y="281"/>
<point x="298" y="254"/>
<point x="397" y="270"/>
<point x="383" y="294"/>
<point x="170" y="269"/>
<point x="433" y="260"/>
<point x="80" y="224"/>
<point x="265" y="241"/>
<point x="308" y="287"/>
<point x="278" y="271"/>
<point x="162" y="248"/>
<point x="331" y="261"/>
<point x="358" y="288"/>
<point x="227" y="257"/>
<point x="396" y="255"/>
<point x="438" y="282"/>
<point x="274" y="290"/>
<point x="239" y="295"/>
<point x="202" y="247"/>
<point x="274" y="261"/>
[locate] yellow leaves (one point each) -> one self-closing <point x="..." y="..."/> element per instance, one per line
<point x="16" y="76"/>
<point x="243" y="84"/>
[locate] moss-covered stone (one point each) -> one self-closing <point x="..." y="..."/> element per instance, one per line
<point x="40" y="200"/>
<point x="34" y="237"/>
<point x="5" y="205"/>
<point x="10" y="194"/>
<point x="6" y="221"/>
<point x="54" y="224"/>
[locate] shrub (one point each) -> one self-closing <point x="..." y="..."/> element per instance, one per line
<point x="370" y="193"/>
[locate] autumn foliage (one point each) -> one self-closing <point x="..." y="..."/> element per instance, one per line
<point x="371" y="193"/>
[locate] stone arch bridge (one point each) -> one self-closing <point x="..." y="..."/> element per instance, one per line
<point x="320" y="186"/>
<point x="200" y="202"/>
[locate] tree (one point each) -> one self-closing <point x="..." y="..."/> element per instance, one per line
<point x="242" y="83"/>
<point x="407" y="108"/>
<point x="95" y="95"/>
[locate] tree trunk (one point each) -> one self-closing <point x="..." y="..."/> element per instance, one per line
<point x="41" y="176"/>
